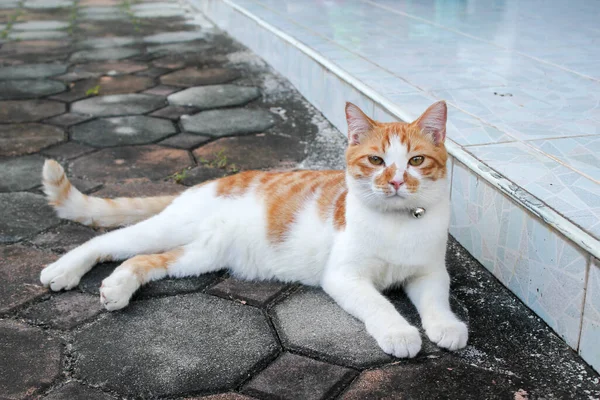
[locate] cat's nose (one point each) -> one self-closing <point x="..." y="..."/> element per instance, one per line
<point x="396" y="184"/>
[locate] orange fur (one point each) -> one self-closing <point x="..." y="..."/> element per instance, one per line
<point x="143" y="265"/>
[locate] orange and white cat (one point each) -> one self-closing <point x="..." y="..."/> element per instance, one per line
<point x="353" y="232"/>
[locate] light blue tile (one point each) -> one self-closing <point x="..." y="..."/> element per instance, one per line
<point x="580" y="153"/>
<point x="589" y="347"/>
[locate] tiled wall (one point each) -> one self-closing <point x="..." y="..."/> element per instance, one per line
<point x="545" y="270"/>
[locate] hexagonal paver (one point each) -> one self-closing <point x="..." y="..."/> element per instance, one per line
<point x="157" y="10"/>
<point x="110" y="68"/>
<point x="253" y="152"/>
<point x="64" y="311"/>
<point x="105" y="85"/>
<point x="438" y="378"/>
<point x="105" y="42"/>
<point x="20" y="267"/>
<point x="47" y="4"/>
<point x="294" y="377"/>
<point x="173" y="112"/>
<point x="75" y="390"/>
<point x="47" y="25"/>
<point x="118" y="104"/>
<point x="201" y="174"/>
<point x="38" y="35"/>
<point x="174" y="37"/>
<point x="29" y="110"/>
<point x="194" y="76"/>
<point x="119" y="163"/>
<point x="29" y="89"/>
<point x="139" y="189"/>
<point x="24" y="214"/>
<point x="64" y="237"/>
<point x="162" y="90"/>
<point x="206" y="97"/>
<point x="174" y="337"/>
<point x="178" y="48"/>
<point x="312" y="322"/>
<point x="28" y="138"/>
<point x="20" y="173"/>
<point x="67" y="151"/>
<point x="32" y="71"/>
<point x="254" y="293"/>
<point x="223" y="396"/>
<point x="68" y="119"/>
<point x="185" y="141"/>
<point x="219" y="123"/>
<point x="114" y="53"/>
<point x="34" y="360"/>
<point x="119" y="131"/>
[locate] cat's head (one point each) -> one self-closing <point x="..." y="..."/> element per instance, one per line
<point x="397" y="165"/>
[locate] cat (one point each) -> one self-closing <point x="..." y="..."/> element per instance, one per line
<point x="354" y="232"/>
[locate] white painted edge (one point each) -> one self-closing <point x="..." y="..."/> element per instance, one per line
<point x="531" y="203"/>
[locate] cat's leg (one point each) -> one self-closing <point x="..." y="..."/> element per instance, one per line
<point x="156" y="234"/>
<point x="359" y="297"/>
<point x="430" y="294"/>
<point x="191" y="260"/>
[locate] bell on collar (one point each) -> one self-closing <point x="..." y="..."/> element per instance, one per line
<point x="418" y="212"/>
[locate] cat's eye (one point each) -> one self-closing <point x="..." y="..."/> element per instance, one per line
<point x="375" y="160"/>
<point x="416" y="161"/>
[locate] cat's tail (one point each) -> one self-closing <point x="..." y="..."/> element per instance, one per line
<point x="71" y="204"/>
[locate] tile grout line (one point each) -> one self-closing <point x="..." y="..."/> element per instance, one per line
<point x="550" y="216"/>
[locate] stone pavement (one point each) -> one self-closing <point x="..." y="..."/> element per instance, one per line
<point x="146" y="98"/>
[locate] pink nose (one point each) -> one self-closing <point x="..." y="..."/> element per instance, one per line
<point x="396" y="184"/>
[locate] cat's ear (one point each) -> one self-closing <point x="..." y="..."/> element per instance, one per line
<point x="433" y="121"/>
<point x="359" y="125"/>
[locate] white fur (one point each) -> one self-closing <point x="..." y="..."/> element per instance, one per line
<point x="381" y="246"/>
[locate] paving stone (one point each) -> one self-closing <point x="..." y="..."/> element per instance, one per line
<point x="106" y="42"/>
<point x="294" y="377"/>
<point x="37" y="35"/>
<point x="106" y="15"/>
<point x="116" y="53"/>
<point x="119" y="163"/>
<point x="434" y="379"/>
<point x="47" y="4"/>
<point x="34" y="360"/>
<point x="153" y="72"/>
<point x="20" y="173"/>
<point x="254" y="152"/>
<point x="157" y="10"/>
<point x="9" y="4"/>
<point x="29" y="110"/>
<point x="178" y="48"/>
<point x="122" y="131"/>
<point x="110" y="68"/>
<point x="174" y="37"/>
<point x="202" y="174"/>
<point x="75" y="390"/>
<point x="194" y="76"/>
<point x="206" y="97"/>
<point x="34" y="47"/>
<point x="184" y="141"/>
<point x="21" y="139"/>
<point x="40" y="25"/>
<point x="32" y="71"/>
<point x="85" y="185"/>
<point x="105" y="85"/>
<point x="310" y="321"/>
<point x="162" y="90"/>
<point x="173" y="337"/>
<point x="64" y="311"/>
<point x="254" y="293"/>
<point x="67" y="151"/>
<point x="118" y="104"/>
<point x="222" y="396"/>
<point x="64" y="237"/>
<point x="24" y="214"/>
<point x="219" y="123"/>
<point x="29" y="89"/>
<point x="139" y="189"/>
<point x="20" y="267"/>
<point x="68" y="119"/>
<point x="173" y="112"/>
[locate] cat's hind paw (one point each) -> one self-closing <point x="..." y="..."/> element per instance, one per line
<point x="117" y="289"/>
<point x="402" y="342"/>
<point x="451" y="335"/>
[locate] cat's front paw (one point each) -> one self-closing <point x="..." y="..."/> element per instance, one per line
<point x="401" y="342"/>
<point x="117" y="289"/>
<point x="451" y="335"/>
<point x="62" y="274"/>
